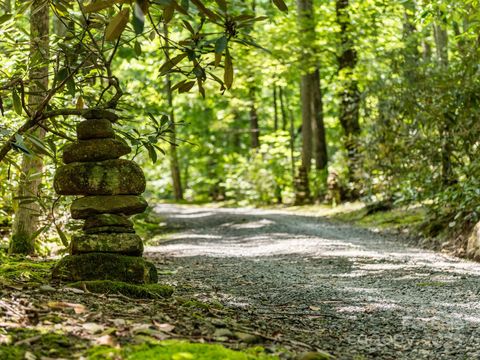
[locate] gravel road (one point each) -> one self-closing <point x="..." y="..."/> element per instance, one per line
<point x="324" y="285"/>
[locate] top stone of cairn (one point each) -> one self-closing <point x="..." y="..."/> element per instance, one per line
<point x="100" y="114"/>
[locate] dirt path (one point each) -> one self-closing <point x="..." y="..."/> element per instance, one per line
<point x="320" y="285"/>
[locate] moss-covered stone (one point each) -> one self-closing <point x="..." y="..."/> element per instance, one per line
<point x="110" y="177"/>
<point x="105" y="266"/>
<point x="95" y="150"/>
<point x="88" y="206"/>
<point x="122" y="243"/>
<point x="146" y="291"/>
<point x="100" y="114"/>
<point x="102" y="220"/>
<point x="95" y="129"/>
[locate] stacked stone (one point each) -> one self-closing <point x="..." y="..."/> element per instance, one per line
<point x="111" y="189"/>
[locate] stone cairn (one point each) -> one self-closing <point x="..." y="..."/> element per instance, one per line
<point x="108" y="248"/>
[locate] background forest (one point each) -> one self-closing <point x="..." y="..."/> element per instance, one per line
<point x="248" y="103"/>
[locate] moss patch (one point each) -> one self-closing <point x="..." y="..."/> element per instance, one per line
<point x="45" y="345"/>
<point x="18" y="270"/>
<point x="148" y="291"/>
<point x="395" y="219"/>
<point x="176" y="350"/>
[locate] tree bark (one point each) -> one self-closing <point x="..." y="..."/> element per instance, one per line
<point x="318" y="127"/>
<point x="441" y="48"/>
<point x="26" y="222"/>
<point x="281" y="95"/>
<point x="174" y="163"/>
<point x="254" y="131"/>
<point x="275" y="108"/>
<point x="306" y="104"/>
<point x="313" y="130"/>
<point x="350" y="95"/>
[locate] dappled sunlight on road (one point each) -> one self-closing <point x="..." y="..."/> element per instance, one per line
<point x="277" y="265"/>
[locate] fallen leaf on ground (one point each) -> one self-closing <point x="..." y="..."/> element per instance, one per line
<point x="107" y="340"/>
<point x="78" y="308"/>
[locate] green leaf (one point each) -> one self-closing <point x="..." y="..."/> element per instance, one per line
<point x="201" y="89"/>
<point x="221" y="44"/>
<point x="228" y="74"/>
<point x="116" y="26"/>
<point x="208" y="13"/>
<point x="280" y="4"/>
<point x="5" y="18"/>
<point x="188" y="27"/>
<point x="138" y="20"/>
<point x="19" y="145"/>
<point x="62" y="235"/>
<point x="185" y="4"/>
<point x="95" y="6"/>
<point x="168" y="13"/>
<point x="17" y="102"/>
<point x="71" y="87"/>
<point x="186" y="87"/>
<point x="177" y="85"/>
<point x="171" y="63"/>
<point x="222" y="4"/>
<point x="39" y="145"/>
<point x="138" y="48"/>
<point x="164" y="120"/>
<point x="61" y="74"/>
<point x="150" y="115"/>
<point x="151" y="152"/>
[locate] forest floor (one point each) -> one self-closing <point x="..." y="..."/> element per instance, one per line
<point x="256" y="280"/>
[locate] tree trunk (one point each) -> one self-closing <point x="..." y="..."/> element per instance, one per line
<point x="254" y="131"/>
<point x="282" y="108"/>
<point x="313" y="130"/>
<point x="318" y="127"/>
<point x="26" y="222"/>
<point x="275" y="108"/>
<point x="350" y="95"/>
<point x="306" y="104"/>
<point x="411" y="53"/>
<point x="174" y="163"/>
<point x="441" y="48"/>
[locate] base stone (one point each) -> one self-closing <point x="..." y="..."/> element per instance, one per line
<point x="105" y="266"/>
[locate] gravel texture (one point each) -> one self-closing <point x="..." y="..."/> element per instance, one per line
<point x="321" y="285"/>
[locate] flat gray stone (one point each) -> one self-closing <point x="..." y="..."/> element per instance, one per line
<point x="95" y="129"/>
<point x="95" y="150"/>
<point x="102" y="220"/>
<point x="100" y="114"/>
<point x="88" y="206"/>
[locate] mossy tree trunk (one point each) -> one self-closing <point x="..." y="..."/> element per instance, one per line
<point x="26" y="222"/>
